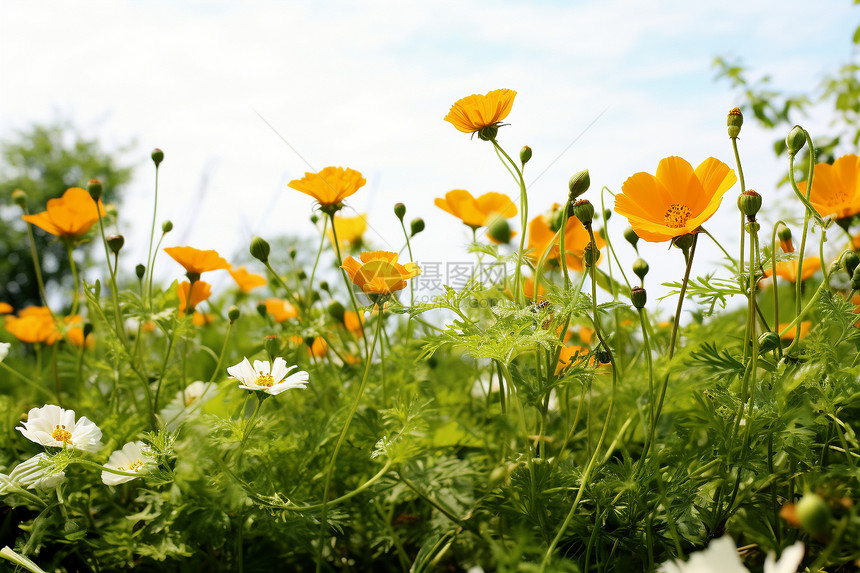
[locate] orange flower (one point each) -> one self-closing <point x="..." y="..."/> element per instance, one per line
<point x="576" y="238"/>
<point x="75" y="331"/>
<point x="354" y="322"/>
<point x="805" y="325"/>
<point x="6" y="308"/>
<point x="475" y="112"/>
<point x="586" y="334"/>
<point x="69" y="216"/>
<point x="677" y="200"/>
<point x="34" y="324"/>
<point x="317" y="349"/>
<point x="569" y="355"/>
<point x="197" y="261"/>
<point x="529" y="289"/>
<point x="280" y="310"/>
<point x="199" y="292"/>
<point x="331" y="185"/>
<point x="836" y="188"/>
<point x="476" y="212"/>
<point x="788" y="269"/>
<point x="246" y="281"/>
<point x="202" y="319"/>
<point x="349" y="230"/>
<point x="379" y="273"/>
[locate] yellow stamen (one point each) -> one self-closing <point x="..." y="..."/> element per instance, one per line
<point x="264" y="380"/>
<point x="61" y="434"/>
<point x="676" y="215"/>
<point x="133" y="467"/>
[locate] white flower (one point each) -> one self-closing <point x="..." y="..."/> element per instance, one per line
<point x="271" y="381"/>
<point x="721" y="556"/>
<point x="187" y="402"/>
<point x="788" y="563"/>
<point x="55" y="427"/>
<point x="4" y="350"/>
<point x="134" y="457"/>
<point x="37" y="472"/>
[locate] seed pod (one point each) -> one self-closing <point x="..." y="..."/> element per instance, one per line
<point x="639" y="297"/>
<point x="749" y="202"/>
<point x="584" y="211"/>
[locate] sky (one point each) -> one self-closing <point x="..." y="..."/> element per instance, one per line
<point x="244" y="97"/>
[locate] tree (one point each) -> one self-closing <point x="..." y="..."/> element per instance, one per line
<point x="44" y="160"/>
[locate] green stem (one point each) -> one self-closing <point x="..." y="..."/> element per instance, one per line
<point x="349" y="288"/>
<point x="36" y="266"/>
<point x="149" y="261"/>
<point x="223" y="352"/>
<point x="75" y="279"/>
<point x="316" y="262"/>
<point x="524" y="215"/>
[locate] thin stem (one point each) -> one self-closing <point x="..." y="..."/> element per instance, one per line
<point x="348" y="284"/>
<point x="149" y="261"/>
<point x="223" y="352"/>
<point x="524" y="215"/>
<point x="316" y="262"/>
<point x="75" y="279"/>
<point x="36" y="266"/>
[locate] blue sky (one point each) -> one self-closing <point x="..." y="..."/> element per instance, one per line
<point x="366" y="85"/>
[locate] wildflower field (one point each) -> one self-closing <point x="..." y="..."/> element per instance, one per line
<point x="315" y="416"/>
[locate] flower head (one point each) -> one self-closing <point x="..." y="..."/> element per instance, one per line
<point x="475" y="112"/>
<point x="836" y="188"/>
<point x="269" y="379"/>
<point x="677" y="200"/>
<point x="476" y="212"/>
<point x="349" y="230"/>
<point x="280" y="309"/>
<point x="199" y="292"/>
<point x="134" y="457"/>
<point x="354" y="322"/>
<point x="317" y="348"/>
<point x="55" y="427"/>
<point x="379" y="273"/>
<point x="576" y="239"/>
<point x="196" y="261"/>
<point x="69" y="216"/>
<point x="330" y="186"/>
<point x="247" y="281"/>
<point x="788" y="269"/>
<point x="75" y="332"/>
<point x="187" y="402"/>
<point x="568" y="356"/>
<point x="34" y="324"/>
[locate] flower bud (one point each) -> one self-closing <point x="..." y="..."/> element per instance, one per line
<point x="749" y="202"/>
<point x="336" y="310"/>
<point x="640" y="268"/>
<point x="88" y="329"/>
<point x="639" y="297"/>
<point x="140" y="270"/>
<point x="850" y="261"/>
<point x="115" y="243"/>
<point x="292" y="252"/>
<point x="19" y="197"/>
<point x="813" y="513"/>
<point x="584" y="211"/>
<point x="324" y="286"/>
<point x="632" y="237"/>
<point x="157" y="157"/>
<point x="767" y="342"/>
<point x="499" y="230"/>
<point x="261" y="309"/>
<point x="784" y="234"/>
<point x="167" y="226"/>
<point x="607" y="214"/>
<point x="272" y="344"/>
<point x="233" y="313"/>
<point x="260" y="249"/>
<point x="590" y="254"/>
<point x="735" y="120"/>
<point x="302" y="274"/>
<point x="855" y="279"/>
<point x="795" y="140"/>
<point x="314" y="218"/>
<point x="488" y="133"/>
<point x="400" y="210"/>
<point x="416" y="226"/>
<point x="525" y="154"/>
<point x="578" y="184"/>
<point x="603" y="356"/>
<point x="95" y="189"/>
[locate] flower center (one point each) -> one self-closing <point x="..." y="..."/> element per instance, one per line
<point x="132" y="467"/>
<point x="265" y="380"/>
<point x="676" y="215"/>
<point x="62" y="435"/>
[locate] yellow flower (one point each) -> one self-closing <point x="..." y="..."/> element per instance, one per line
<point x="576" y="238"/>
<point x="788" y="269"/>
<point x="836" y="188"/>
<point x="331" y="185"/>
<point x="677" y="200"/>
<point x="475" y="112"/>
<point x="202" y="319"/>
<point x="349" y="230"/>
<point x="476" y="212"/>
<point x="197" y="261"/>
<point x="75" y="332"/>
<point x="568" y="356"/>
<point x="805" y="325"/>
<point x="317" y="349"/>
<point x="69" y="216"/>
<point x="34" y="324"/>
<point x="280" y="310"/>
<point x="354" y="322"/>
<point x="246" y="281"/>
<point x="379" y="272"/>
<point x="6" y="308"/>
<point x="199" y="292"/>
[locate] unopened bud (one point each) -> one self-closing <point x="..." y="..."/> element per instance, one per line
<point x="639" y="297"/>
<point x="324" y="286"/>
<point x="293" y="252"/>
<point x="603" y="356"/>
<point x="416" y="226"/>
<point x="584" y="211"/>
<point x="399" y="210"/>
<point x="499" y="230"/>
<point x="735" y="120"/>
<point x="767" y="342"/>
<point x="167" y="226"/>
<point x="95" y="189"/>
<point x="607" y="214"/>
<point x="784" y="233"/>
<point x="272" y="344"/>
<point x="314" y="218"/>
<point x="260" y="249"/>
<point x="157" y="157"/>
<point x="855" y="279"/>
<point x="336" y="310"/>
<point x="749" y="202"/>
<point x="795" y="140"/>
<point x="88" y="329"/>
<point x="525" y="154"/>
<point x="261" y="309"/>
<point x="19" y="197"/>
<point x="302" y="274"/>
<point x="140" y="270"/>
<point x="632" y="237"/>
<point x="115" y="242"/>
<point x="813" y="513"/>
<point x="578" y="184"/>
<point x="233" y="313"/>
<point x="640" y="268"/>
<point x="488" y="133"/>
<point x="850" y="260"/>
<point x="590" y="254"/>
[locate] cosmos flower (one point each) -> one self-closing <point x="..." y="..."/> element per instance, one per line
<point x="187" y="402"/>
<point x="4" y="350"/>
<point x="69" y="216"/>
<point x="199" y="292"/>
<point x="476" y="212"/>
<point x="134" y="457"/>
<point x="280" y="309"/>
<point x="197" y="261"/>
<point x="379" y="272"/>
<point x="836" y="188"/>
<point x="721" y="556"/>
<point x="475" y="112"/>
<point x="34" y="324"/>
<point x="271" y="379"/>
<point x="576" y="239"/>
<point x="349" y="230"/>
<point x="788" y="269"/>
<point x="330" y="186"/>
<point x="55" y="427"/>
<point x="247" y="281"/>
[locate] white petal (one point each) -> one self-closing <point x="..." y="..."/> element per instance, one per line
<point x="261" y="367"/>
<point x="788" y="563"/>
<point x="279" y="369"/>
<point x="254" y="387"/>
<point x="242" y="371"/>
<point x="4" y="350"/>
